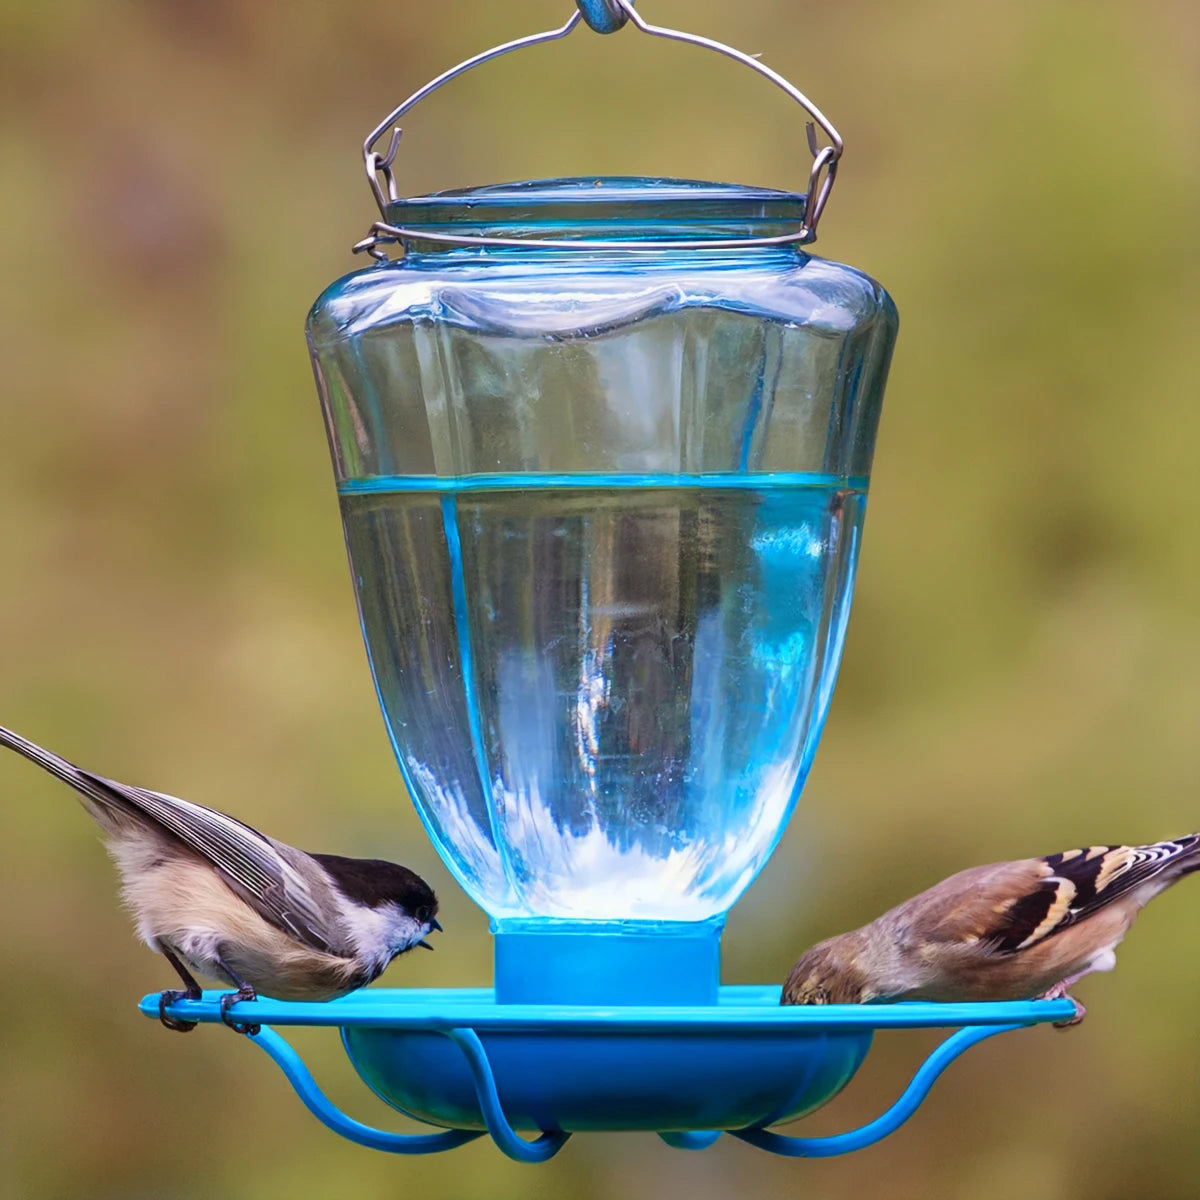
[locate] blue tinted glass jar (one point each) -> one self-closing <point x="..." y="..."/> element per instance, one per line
<point x="603" y="508"/>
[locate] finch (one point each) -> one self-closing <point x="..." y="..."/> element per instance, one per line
<point x="1007" y="931"/>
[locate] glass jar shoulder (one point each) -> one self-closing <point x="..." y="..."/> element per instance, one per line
<point x="527" y="292"/>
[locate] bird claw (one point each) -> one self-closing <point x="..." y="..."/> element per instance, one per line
<point x="1080" y="1013"/>
<point x="1059" y="992"/>
<point x="174" y="1023"/>
<point x="232" y="998"/>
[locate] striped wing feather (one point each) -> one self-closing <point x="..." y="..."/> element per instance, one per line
<point x="250" y="862"/>
<point x="266" y="873"/>
<point x="247" y="860"/>
<point x="1078" y="883"/>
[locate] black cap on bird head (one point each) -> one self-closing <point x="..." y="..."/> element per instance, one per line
<point x="373" y="883"/>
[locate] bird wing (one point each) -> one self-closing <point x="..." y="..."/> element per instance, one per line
<point x="1078" y="883"/>
<point x="1008" y="907"/>
<point x="269" y="875"/>
<point x="254" y="865"/>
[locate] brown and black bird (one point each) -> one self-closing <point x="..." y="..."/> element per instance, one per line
<point x="1007" y="931"/>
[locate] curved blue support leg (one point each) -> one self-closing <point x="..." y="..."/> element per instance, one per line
<point x="699" y="1139"/>
<point x="890" y="1121"/>
<point x="542" y="1148"/>
<point x="298" y="1075"/>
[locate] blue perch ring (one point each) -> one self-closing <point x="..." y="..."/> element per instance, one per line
<point x="457" y="1060"/>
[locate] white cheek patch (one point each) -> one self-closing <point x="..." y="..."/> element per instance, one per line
<point x="379" y="934"/>
<point x="406" y="931"/>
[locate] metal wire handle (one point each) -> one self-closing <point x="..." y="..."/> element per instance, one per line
<point x="606" y="16"/>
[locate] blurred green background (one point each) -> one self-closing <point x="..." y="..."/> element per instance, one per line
<point x="179" y="180"/>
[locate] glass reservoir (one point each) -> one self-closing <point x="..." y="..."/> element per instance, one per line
<point x="603" y="508"/>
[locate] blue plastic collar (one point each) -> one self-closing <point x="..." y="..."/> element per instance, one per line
<point x="649" y="963"/>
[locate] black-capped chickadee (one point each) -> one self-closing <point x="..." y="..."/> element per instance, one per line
<point x="216" y="896"/>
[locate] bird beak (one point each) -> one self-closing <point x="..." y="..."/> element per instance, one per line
<point x="433" y="924"/>
<point x="424" y="943"/>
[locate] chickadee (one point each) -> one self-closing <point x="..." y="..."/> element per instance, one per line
<point x="1008" y="931"/>
<point x="219" y="898"/>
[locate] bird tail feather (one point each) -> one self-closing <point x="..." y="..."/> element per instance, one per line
<point x="105" y="807"/>
<point x="1189" y="858"/>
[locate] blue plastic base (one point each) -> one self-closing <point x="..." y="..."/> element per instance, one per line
<point x="458" y="1059"/>
<point x="554" y="1071"/>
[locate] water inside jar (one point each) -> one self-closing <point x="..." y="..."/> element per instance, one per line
<point x="604" y="692"/>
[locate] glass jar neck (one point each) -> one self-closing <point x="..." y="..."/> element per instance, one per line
<point x="663" y="257"/>
<point x="618" y="219"/>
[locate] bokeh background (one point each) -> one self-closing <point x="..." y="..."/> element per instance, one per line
<point x="179" y="180"/>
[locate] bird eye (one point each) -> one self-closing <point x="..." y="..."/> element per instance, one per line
<point x="422" y="914"/>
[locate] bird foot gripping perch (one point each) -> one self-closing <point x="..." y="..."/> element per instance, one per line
<point x="168" y="998"/>
<point x="229" y="1000"/>
<point x="1059" y="992"/>
<point x="458" y="1060"/>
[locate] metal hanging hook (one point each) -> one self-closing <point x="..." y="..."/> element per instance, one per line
<point x="605" y="16"/>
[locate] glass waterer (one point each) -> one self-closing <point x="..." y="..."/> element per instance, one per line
<point x="602" y="447"/>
